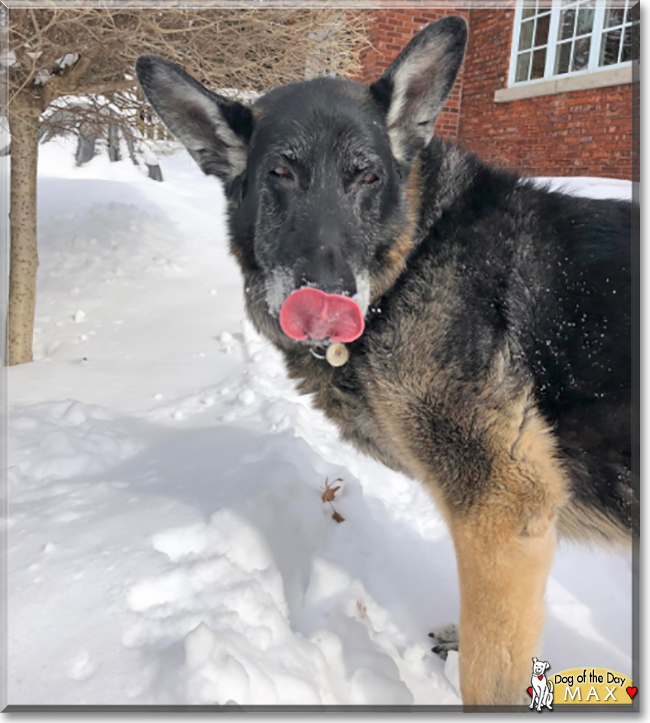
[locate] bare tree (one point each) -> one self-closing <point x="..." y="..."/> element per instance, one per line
<point x="55" y="52"/>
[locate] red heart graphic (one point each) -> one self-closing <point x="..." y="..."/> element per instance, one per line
<point x="540" y="676"/>
<point x="530" y="691"/>
<point x="632" y="691"/>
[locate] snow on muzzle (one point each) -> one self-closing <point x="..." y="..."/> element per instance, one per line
<point x="312" y="314"/>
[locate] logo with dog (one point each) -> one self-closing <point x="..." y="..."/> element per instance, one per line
<point x="540" y="689"/>
<point x="588" y="685"/>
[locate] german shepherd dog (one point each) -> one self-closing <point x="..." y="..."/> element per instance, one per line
<point x="485" y="321"/>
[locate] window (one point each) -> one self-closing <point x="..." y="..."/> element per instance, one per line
<point x="557" y="38"/>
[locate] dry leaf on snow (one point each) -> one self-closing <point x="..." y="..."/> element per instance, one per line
<point x="330" y="492"/>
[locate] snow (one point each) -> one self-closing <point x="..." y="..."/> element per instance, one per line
<point x="167" y="540"/>
<point x="66" y="60"/>
<point x="589" y="186"/>
<point x="8" y="58"/>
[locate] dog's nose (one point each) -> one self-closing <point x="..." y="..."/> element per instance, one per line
<point x="326" y="268"/>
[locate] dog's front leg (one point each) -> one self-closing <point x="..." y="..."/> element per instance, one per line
<point x="495" y="473"/>
<point x="502" y="570"/>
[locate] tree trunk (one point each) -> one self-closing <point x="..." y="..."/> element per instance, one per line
<point x="23" y="125"/>
<point x="114" y="144"/>
<point x="155" y="172"/>
<point x="128" y="137"/>
<point x="85" y="146"/>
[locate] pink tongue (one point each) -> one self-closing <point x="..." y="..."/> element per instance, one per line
<point x="310" y="313"/>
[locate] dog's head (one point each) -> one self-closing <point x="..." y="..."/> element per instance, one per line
<point x="540" y="666"/>
<point x="317" y="176"/>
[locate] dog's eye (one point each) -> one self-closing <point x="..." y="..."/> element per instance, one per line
<point x="281" y="172"/>
<point x="369" y="178"/>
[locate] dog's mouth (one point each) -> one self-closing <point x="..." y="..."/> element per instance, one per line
<point x="312" y="314"/>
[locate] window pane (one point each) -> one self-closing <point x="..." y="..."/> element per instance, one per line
<point x="562" y="58"/>
<point x="526" y="35"/>
<point x="627" y="46"/>
<point x="523" y="61"/>
<point x="585" y="21"/>
<point x="581" y="53"/>
<point x="541" y="32"/>
<point x="539" y="61"/>
<point x="614" y="16"/>
<point x="609" y="47"/>
<point x="528" y="10"/>
<point x="567" y="21"/>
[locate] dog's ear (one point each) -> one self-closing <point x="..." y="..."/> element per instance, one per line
<point x="547" y="666"/>
<point x="414" y="88"/>
<point x="214" y="129"/>
<point x="534" y="660"/>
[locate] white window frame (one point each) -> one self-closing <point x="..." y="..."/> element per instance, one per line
<point x="552" y="44"/>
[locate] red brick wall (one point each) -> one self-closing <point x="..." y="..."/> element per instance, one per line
<point x="389" y="31"/>
<point x="587" y="132"/>
<point x="583" y="133"/>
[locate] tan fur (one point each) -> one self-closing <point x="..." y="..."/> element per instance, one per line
<point x="591" y="527"/>
<point x="504" y="550"/>
<point x="395" y="262"/>
<point x="530" y="484"/>
<point x="502" y="578"/>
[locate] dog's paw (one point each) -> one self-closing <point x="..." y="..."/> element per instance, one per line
<point x="445" y="638"/>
